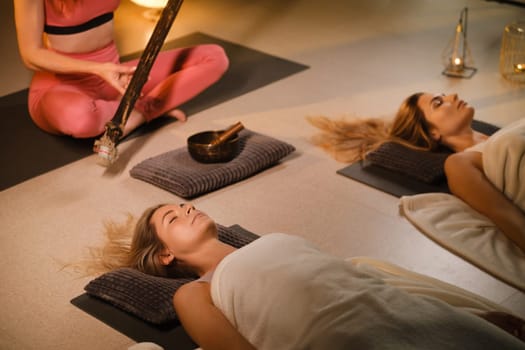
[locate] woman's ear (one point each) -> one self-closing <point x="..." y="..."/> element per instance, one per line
<point x="166" y="257"/>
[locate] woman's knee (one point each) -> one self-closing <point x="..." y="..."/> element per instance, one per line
<point x="77" y="117"/>
<point x="216" y="54"/>
<point x="81" y="123"/>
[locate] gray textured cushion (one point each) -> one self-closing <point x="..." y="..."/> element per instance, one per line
<point x="177" y="172"/>
<point x="149" y="297"/>
<point x="421" y="165"/>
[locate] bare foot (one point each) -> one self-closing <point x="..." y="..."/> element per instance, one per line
<point x="178" y="114"/>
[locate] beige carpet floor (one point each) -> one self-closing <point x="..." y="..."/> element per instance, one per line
<point x="365" y="57"/>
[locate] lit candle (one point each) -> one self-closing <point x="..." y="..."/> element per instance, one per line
<point x="519" y="67"/>
<point x="151" y="3"/>
<point x="456" y="64"/>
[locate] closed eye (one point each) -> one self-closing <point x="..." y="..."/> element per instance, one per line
<point x="436" y="102"/>
<point x="172" y="219"/>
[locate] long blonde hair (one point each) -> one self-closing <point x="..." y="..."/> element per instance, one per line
<point x="135" y="244"/>
<point x="351" y="140"/>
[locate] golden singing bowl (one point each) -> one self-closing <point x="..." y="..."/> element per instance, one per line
<point x="203" y="150"/>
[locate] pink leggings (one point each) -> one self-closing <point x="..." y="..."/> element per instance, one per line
<point x="80" y="105"/>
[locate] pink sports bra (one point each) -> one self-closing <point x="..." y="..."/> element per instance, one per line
<point x="87" y="14"/>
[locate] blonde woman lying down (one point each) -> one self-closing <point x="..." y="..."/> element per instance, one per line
<point x="428" y="121"/>
<point x="281" y="292"/>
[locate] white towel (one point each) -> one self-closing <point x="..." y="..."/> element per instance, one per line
<point x="280" y="292"/>
<point x="465" y="232"/>
<point x="504" y="162"/>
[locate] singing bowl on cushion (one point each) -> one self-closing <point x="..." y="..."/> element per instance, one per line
<point x="200" y="148"/>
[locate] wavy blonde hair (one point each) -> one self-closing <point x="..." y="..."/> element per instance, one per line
<point x="134" y="244"/>
<point x="351" y="140"/>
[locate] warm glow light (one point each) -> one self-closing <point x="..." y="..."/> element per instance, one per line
<point x="519" y="67"/>
<point x="157" y="4"/>
<point x="456" y="55"/>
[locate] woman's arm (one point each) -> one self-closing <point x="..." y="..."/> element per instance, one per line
<point x="29" y="20"/>
<point x="467" y="180"/>
<point x="204" y="322"/>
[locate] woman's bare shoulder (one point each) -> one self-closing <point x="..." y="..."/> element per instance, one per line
<point x="192" y="291"/>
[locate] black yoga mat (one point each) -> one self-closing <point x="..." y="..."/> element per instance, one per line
<point x="398" y="184"/>
<point x="28" y="151"/>
<point x="389" y="181"/>
<point x="170" y="335"/>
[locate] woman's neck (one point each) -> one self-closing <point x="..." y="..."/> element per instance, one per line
<point x="210" y="256"/>
<point x="461" y="142"/>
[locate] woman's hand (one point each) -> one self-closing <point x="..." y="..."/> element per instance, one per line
<point x="29" y="20"/>
<point x="117" y="75"/>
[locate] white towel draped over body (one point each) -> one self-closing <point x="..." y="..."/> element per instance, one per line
<point x="504" y="162"/>
<point x="280" y="292"/>
<point x="455" y="225"/>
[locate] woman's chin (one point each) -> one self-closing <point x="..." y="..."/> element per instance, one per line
<point x="210" y="226"/>
<point x="469" y="113"/>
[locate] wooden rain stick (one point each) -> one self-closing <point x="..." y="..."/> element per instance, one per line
<point x="105" y="147"/>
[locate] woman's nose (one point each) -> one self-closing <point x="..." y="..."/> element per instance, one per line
<point x="450" y="98"/>
<point x="188" y="208"/>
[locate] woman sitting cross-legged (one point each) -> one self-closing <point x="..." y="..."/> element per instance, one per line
<point x="79" y="79"/>
<point x="281" y="292"/>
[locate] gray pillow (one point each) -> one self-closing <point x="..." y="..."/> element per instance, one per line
<point x="421" y="165"/>
<point x="149" y="297"/>
<point x="177" y="172"/>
